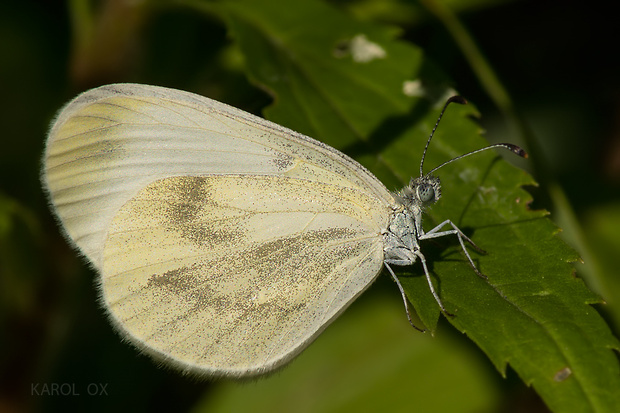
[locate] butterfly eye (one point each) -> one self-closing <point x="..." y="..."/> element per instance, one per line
<point x="426" y="193"/>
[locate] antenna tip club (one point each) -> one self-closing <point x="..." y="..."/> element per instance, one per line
<point x="457" y="99"/>
<point x="515" y="149"/>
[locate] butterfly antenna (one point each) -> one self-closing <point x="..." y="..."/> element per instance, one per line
<point x="457" y="99"/>
<point x="517" y="150"/>
<point x="462" y="101"/>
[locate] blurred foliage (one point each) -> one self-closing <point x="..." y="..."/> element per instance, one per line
<point x="553" y="62"/>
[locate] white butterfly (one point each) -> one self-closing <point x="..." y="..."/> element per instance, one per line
<point x="225" y="243"/>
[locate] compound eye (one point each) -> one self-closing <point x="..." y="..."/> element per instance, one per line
<point x="426" y="193"/>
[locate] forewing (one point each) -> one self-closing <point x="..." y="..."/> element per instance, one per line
<point x="236" y="274"/>
<point x="111" y="142"/>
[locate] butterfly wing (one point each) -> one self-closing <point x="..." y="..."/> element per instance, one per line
<point x="110" y="142"/>
<point x="211" y="274"/>
<point x="225" y="243"/>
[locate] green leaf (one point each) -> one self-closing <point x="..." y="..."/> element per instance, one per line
<point x="365" y="363"/>
<point x="531" y="313"/>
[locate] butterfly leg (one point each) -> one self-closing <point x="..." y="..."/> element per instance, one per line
<point x="436" y="233"/>
<point x="405" y="300"/>
<point x="465" y="237"/>
<point x="430" y="284"/>
<point x="428" y="280"/>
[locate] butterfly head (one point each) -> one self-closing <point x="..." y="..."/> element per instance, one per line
<point x="421" y="192"/>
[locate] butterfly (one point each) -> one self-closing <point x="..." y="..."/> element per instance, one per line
<point x="225" y="243"/>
